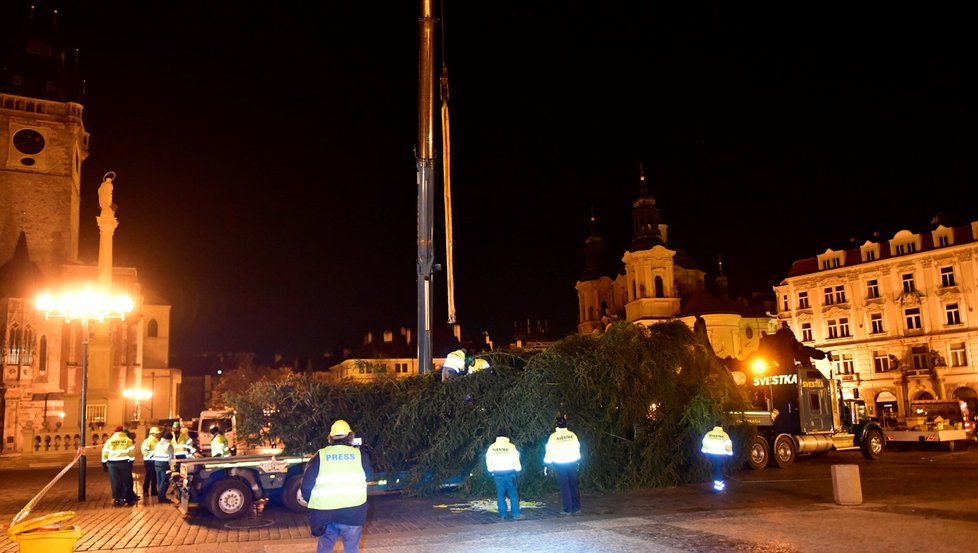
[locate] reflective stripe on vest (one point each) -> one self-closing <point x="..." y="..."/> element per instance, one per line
<point x="147" y="448"/>
<point x="184" y="445"/>
<point x="341" y="481"/>
<point x="562" y="447"/>
<point x="219" y="446"/>
<point x="162" y="450"/>
<point x="503" y="456"/>
<point x="118" y="448"/>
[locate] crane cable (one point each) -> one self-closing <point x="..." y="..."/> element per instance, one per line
<point x="446" y="170"/>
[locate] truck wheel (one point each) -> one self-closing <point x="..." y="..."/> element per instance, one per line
<point x="229" y="498"/>
<point x="872" y="446"/>
<point x="760" y="454"/>
<point x="784" y="451"/>
<point x="292" y="495"/>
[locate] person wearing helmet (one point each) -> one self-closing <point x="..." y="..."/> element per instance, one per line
<point x="219" y="443"/>
<point x="149" y="466"/>
<point x="335" y="487"/>
<point x="183" y="444"/>
<point x="563" y="453"/>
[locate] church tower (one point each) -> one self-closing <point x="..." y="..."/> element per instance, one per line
<point x="43" y="143"/>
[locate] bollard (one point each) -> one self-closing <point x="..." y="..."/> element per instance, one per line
<point x="845" y="485"/>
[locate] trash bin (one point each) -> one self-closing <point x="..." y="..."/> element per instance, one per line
<point x="46" y="534"/>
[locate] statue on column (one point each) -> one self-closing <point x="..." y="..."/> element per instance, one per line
<point x="105" y="195"/>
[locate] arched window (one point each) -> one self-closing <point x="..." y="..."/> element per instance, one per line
<point x="26" y="351"/>
<point x="152" y="329"/>
<point x="660" y="289"/>
<point x="923" y="395"/>
<point x="14" y="345"/>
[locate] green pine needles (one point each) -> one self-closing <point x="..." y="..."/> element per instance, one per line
<point x="639" y="399"/>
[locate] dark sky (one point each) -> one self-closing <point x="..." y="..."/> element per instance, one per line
<point x="266" y="167"/>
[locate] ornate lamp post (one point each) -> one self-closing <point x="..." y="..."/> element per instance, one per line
<point x="84" y="306"/>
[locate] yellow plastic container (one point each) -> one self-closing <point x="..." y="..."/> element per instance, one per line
<point x="46" y="534"/>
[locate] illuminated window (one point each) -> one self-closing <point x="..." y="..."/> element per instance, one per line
<point x="959" y="357"/>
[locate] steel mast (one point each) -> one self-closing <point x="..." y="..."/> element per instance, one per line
<point x="425" y="178"/>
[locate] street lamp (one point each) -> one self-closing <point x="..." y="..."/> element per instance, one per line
<point x="85" y="305"/>
<point x="760" y="366"/>
<point x="136" y="396"/>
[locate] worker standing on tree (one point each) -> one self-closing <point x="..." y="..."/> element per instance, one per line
<point x="335" y="487"/>
<point x="219" y="444"/>
<point x="118" y="455"/>
<point x="718" y="447"/>
<point x="503" y="463"/>
<point x="149" y="467"/>
<point x="563" y="453"/>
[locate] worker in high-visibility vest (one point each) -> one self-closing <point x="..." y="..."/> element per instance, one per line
<point x="718" y="447"/>
<point x="454" y="365"/>
<point x="563" y="453"/>
<point x="335" y="488"/>
<point x="118" y="455"/>
<point x="219" y="443"/>
<point x="183" y="444"/>
<point x="503" y="463"/>
<point x="149" y="467"/>
<point x="163" y="459"/>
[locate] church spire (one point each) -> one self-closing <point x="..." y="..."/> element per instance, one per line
<point x="593" y="252"/>
<point x="645" y="217"/>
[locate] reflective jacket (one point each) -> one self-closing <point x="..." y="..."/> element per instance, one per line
<point x="717" y="442"/>
<point x="219" y="446"/>
<point x="163" y="451"/>
<point x="119" y="447"/>
<point x="502" y="457"/>
<point x="341" y="481"/>
<point x="183" y="445"/>
<point x="146" y="448"/>
<point x="562" y="447"/>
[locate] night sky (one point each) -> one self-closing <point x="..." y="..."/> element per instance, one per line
<point x="266" y="166"/>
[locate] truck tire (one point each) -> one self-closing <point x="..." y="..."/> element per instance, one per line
<point x="784" y="451"/>
<point x="292" y="495"/>
<point x="872" y="445"/>
<point x="229" y="498"/>
<point x="760" y="454"/>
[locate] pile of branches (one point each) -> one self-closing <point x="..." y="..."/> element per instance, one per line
<point x="639" y="399"/>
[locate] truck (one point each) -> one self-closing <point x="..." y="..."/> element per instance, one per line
<point x="798" y="409"/>
<point x="933" y="422"/>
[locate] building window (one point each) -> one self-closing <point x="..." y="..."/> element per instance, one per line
<point x="947" y="276"/>
<point x="806" y="332"/>
<point x="942" y="241"/>
<point x="832" y="263"/>
<point x="909" y="247"/>
<point x="42" y="359"/>
<point x="19" y="345"/>
<point x="908" y="286"/>
<point x="784" y="303"/>
<point x="959" y="357"/>
<point x="802" y="300"/>
<point x="828" y="298"/>
<point x="840" y="294"/>
<point x="839" y="328"/>
<point x="152" y="329"/>
<point x="920" y="357"/>
<point x="96" y="413"/>
<point x="913" y="318"/>
<point x="876" y="323"/>
<point x="870" y="255"/>
<point x="843" y="364"/>
<point x="952" y="313"/>
<point x="872" y="288"/>
<point x="881" y="362"/>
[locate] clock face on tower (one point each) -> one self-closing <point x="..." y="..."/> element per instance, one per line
<point x="28" y="141"/>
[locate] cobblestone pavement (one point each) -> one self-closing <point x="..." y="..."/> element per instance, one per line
<point x="783" y="511"/>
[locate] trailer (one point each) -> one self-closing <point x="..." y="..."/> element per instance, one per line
<point x="934" y="423"/>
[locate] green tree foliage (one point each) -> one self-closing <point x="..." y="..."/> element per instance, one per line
<point x="640" y="400"/>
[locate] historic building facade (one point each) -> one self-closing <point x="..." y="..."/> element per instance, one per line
<point x="657" y="283"/>
<point x="896" y="315"/>
<point x="43" y="143"/>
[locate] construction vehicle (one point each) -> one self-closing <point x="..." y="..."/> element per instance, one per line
<point x="802" y="411"/>
<point x="938" y="422"/>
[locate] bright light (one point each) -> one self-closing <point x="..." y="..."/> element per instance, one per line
<point x="759" y="365"/>
<point x="138" y="395"/>
<point x="86" y="304"/>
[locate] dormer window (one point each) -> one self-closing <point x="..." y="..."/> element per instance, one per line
<point x="905" y="242"/>
<point x="943" y="236"/>
<point x="831" y="260"/>
<point x="870" y="251"/>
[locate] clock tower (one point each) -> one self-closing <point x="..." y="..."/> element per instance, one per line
<point x="43" y="143"/>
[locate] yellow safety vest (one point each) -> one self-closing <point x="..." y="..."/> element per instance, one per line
<point x="341" y="482"/>
<point x="162" y="451"/>
<point x="184" y="445"/>
<point x="219" y="446"/>
<point x="118" y="448"/>
<point x="502" y="456"/>
<point x="147" y="447"/>
<point x="717" y="442"/>
<point x="562" y="447"/>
